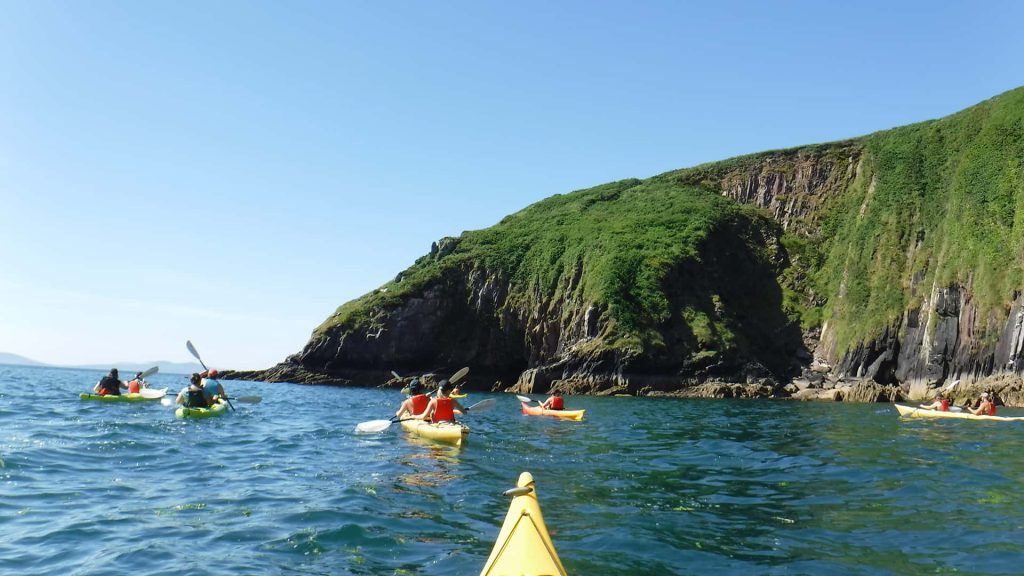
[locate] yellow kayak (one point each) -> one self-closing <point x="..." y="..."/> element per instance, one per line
<point x="911" y="412"/>
<point x="523" y="547"/>
<point x="563" y="414"/>
<point x="448" y="432"/>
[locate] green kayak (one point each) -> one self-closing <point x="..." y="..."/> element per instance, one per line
<point x="216" y="410"/>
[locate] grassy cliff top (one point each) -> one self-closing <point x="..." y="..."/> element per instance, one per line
<point x="625" y="236"/>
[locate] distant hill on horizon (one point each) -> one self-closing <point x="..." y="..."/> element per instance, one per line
<point x="16" y="360"/>
<point x="124" y="367"/>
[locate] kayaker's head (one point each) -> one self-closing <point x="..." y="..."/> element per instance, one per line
<point x="212" y="373"/>
<point x="984" y="395"/>
<point x="415" y="387"/>
<point x="138" y="375"/>
<point x="445" y="387"/>
<point x="195" y="378"/>
<point x="113" y="372"/>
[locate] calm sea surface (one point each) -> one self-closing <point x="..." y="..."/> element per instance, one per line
<point x="643" y="486"/>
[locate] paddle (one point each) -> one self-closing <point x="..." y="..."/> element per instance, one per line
<point x="382" y="425"/>
<point x="527" y="400"/>
<point x="192" y="350"/>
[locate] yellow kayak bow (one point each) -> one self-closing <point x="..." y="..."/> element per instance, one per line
<point x="523" y="547"/>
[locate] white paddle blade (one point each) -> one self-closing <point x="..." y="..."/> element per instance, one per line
<point x="153" y="393"/>
<point x="459" y="375"/>
<point x="524" y="399"/>
<point x="150" y="372"/>
<point x="248" y="399"/>
<point x="372" y="426"/>
<point x="165" y="401"/>
<point x="483" y="405"/>
<point x="395" y="374"/>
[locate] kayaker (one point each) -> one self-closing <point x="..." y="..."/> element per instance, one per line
<point x="443" y="407"/>
<point x="194" y="396"/>
<point x="211" y="385"/>
<point x="137" y="384"/>
<point x="987" y="406"/>
<point x="554" y="402"/>
<point x="110" y="385"/>
<point x="416" y="403"/>
<point x="941" y="404"/>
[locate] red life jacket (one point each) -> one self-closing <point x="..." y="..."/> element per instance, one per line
<point x="443" y="410"/>
<point x="991" y="408"/>
<point x="556" y="403"/>
<point x="944" y="406"/>
<point x="134" y="386"/>
<point x="419" y="403"/>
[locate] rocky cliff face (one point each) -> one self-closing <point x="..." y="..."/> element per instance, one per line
<point x="907" y="275"/>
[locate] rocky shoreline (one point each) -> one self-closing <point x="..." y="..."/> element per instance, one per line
<point x="1007" y="388"/>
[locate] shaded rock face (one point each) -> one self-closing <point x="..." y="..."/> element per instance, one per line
<point x="547" y="343"/>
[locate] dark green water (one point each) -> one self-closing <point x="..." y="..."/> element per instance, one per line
<point x="643" y="486"/>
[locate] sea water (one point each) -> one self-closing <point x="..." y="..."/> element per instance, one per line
<point x="641" y="486"/>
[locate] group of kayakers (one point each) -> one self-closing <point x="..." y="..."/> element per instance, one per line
<point x="420" y="405"/>
<point x="986" y="404"/>
<point x="442" y="407"/>
<point x="111" y="385"/>
<point x="203" y="389"/>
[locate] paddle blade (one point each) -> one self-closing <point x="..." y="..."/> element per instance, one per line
<point x="150" y="372"/>
<point x="524" y="399"/>
<point x="459" y="375"/>
<point x="153" y="392"/>
<point x="165" y="401"/>
<point x="482" y="405"/>
<point x="395" y="374"/>
<point x="248" y="399"/>
<point x="192" y="350"/>
<point x="372" y="426"/>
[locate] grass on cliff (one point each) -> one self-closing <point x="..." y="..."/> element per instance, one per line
<point x="937" y="203"/>
<point x="612" y="246"/>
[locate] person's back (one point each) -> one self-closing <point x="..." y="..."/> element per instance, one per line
<point x="136" y="385"/>
<point x="554" y="403"/>
<point x="109" y="385"/>
<point x="212" y="386"/>
<point x="195" y="396"/>
<point x="417" y="401"/>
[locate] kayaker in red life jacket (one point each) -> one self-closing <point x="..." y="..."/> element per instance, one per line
<point x="554" y="402"/>
<point x="443" y="408"/>
<point x="941" y="404"/>
<point x="109" y="385"/>
<point x="137" y="384"/>
<point x="416" y="403"/>
<point x="987" y="406"/>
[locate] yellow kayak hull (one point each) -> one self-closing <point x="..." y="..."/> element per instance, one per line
<point x="563" y="414"/>
<point x="447" y="432"/>
<point x="912" y="412"/>
<point x="523" y="547"/>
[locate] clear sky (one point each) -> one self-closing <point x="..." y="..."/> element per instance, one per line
<point x="231" y="172"/>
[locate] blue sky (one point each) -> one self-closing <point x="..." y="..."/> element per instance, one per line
<point x="231" y="172"/>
